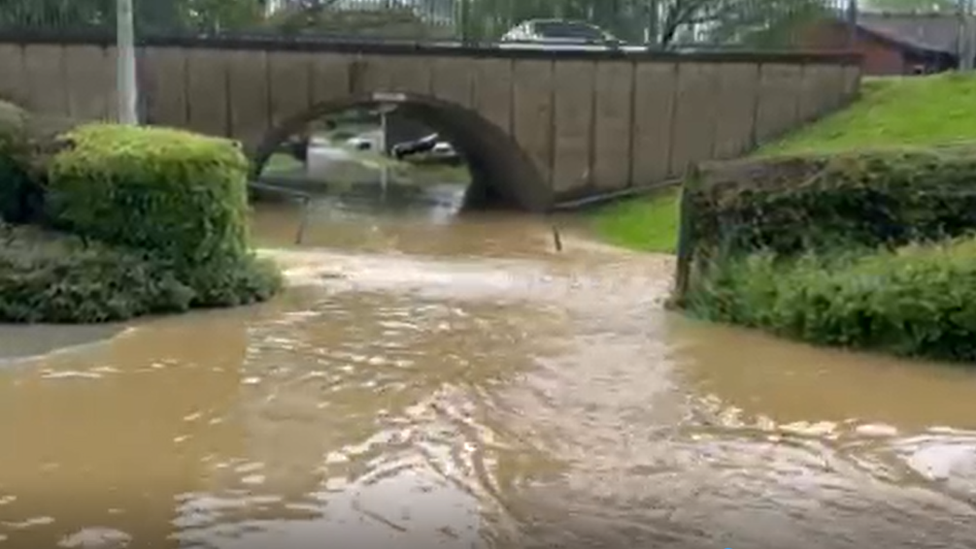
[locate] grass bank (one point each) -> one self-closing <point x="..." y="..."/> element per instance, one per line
<point x="645" y="224"/>
<point x="911" y="111"/>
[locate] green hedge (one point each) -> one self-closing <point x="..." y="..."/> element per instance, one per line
<point x="868" y="250"/>
<point x="919" y="300"/>
<point x="56" y="278"/>
<point x="181" y="195"/>
<point x="17" y="188"/>
<point x="177" y="197"/>
<point x="795" y="204"/>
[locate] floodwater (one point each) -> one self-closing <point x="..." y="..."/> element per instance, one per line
<point x="430" y="380"/>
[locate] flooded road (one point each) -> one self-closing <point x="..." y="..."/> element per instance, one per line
<point x="430" y="380"/>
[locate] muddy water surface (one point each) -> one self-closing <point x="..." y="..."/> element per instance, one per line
<point x="455" y="382"/>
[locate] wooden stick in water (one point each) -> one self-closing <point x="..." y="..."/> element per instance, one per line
<point x="304" y="221"/>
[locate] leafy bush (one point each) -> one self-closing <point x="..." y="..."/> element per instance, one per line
<point x="58" y="278"/>
<point x="794" y="204"/>
<point x="869" y="249"/>
<point x="918" y="300"/>
<point x="178" y="197"/>
<point x="17" y="188"/>
<point x="229" y="282"/>
<point x="181" y="195"/>
<point x="55" y="278"/>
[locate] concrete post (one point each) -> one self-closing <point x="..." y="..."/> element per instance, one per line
<point x="126" y="70"/>
<point x="852" y="11"/>
<point x="967" y="37"/>
<point x="651" y="27"/>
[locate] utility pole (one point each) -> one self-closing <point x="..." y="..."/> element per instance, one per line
<point x="652" y="27"/>
<point x="852" y="12"/>
<point x="126" y="68"/>
<point x="966" y="45"/>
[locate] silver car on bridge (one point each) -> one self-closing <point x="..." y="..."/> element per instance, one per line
<point x="552" y="34"/>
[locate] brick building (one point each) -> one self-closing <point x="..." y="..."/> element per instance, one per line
<point x="893" y="44"/>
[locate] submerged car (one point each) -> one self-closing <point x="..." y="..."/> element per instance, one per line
<point x="559" y="32"/>
<point x="431" y="144"/>
<point x="418" y="146"/>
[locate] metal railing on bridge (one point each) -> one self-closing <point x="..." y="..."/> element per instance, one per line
<point x="750" y="24"/>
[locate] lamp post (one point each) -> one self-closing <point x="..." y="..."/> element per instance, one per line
<point x="126" y="69"/>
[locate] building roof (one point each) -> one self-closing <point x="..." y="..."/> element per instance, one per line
<point x="930" y="32"/>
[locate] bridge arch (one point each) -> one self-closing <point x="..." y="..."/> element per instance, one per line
<point x="502" y="174"/>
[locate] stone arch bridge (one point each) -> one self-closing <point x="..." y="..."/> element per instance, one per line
<point x="537" y="128"/>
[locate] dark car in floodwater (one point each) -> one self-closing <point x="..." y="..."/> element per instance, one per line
<point x="417" y="146"/>
<point x="430" y="148"/>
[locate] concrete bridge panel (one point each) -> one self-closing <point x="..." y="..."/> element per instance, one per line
<point x="330" y="77"/>
<point x="695" y="113"/>
<point x="612" y="132"/>
<point x="810" y="99"/>
<point x="89" y="74"/>
<point x="110" y="84"/>
<point x="576" y="124"/>
<point x="533" y="113"/>
<point x="831" y="88"/>
<point x="493" y="91"/>
<point x="736" y="110"/>
<point x="289" y="84"/>
<point x="394" y="73"/>
<point x="13" y="85"/>
<point x="574" y="118"/>
<point x="165" y="86"/>
<point x="778" y="110"/>
<point x="452" y="80"/>
<point x="655" y="91"/>
<point x="206" y="90"/>
<point x="47" y="87"/>
<point x="250" y="96"/>
<point x="852" y="81"/>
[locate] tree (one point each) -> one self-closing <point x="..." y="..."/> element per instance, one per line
<point x="55" y="15"/>
<point x="751" y="23"/>
<point x="150" y="15"/>
<point x="218" y="15"/>
<point x="666" y="23"/>
<point x="392" y="19"/>
<point x="914" y="5"/>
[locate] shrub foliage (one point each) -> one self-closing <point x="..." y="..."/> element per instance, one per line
<point x="46" y="277"/>
<point x="794" y="204"/>
<point x="148" y="221"/>
<point x="19" y="190"/>
<point x="870" y="250"/>
<point x="919" y="300"/>
<point x="181" y="195"/>
<point x="178" y="196"/>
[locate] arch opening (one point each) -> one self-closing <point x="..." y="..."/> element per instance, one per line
<point x="501" y="174"/>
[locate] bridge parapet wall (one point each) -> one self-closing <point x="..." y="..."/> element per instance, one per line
<point x="590" y="122"/>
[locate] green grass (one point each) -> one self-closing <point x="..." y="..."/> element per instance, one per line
<point x="647" y="224"/>
<point x="892" y="112"/>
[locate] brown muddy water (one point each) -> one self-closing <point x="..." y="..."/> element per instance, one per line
<point x="430" y="380"/>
